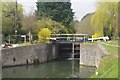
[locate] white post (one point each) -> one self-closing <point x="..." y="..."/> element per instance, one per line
<point x="25" y="39"/>
<point x="92" y="38"/>
<point x="9" y="39"/>
<point x="24" y="36"/>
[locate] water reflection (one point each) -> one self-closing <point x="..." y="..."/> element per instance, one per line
<point x="54" y="69"/>
<point x="0" y="73"/>
<point x="86" y="72"/>
<point x="0" y="67"/>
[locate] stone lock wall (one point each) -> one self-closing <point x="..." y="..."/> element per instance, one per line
<point x="90" y="54"/>
<point x="28" y="54"/>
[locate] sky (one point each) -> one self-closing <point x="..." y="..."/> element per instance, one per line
<point x="81" y="8"/>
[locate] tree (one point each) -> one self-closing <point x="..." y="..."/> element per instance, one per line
<point x="104" y="18"/>
<point x="29" y="24"/>
<point x="118" y="19"/>
<point x="58" y="11"/>
<point x="84" y="26"/>
<point x="8" y="17"/>
<point x="54" y="26"/>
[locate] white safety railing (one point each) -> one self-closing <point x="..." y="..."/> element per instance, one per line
<point x="68" y="37"/>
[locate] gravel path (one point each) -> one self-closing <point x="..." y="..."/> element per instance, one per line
<point x="109" y="44"/>
<point x="103" y="49"/>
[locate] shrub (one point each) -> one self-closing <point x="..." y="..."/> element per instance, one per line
<point x="44" y="35"/>
<point x="54" y="26"/>
<point x="95" y="35"/>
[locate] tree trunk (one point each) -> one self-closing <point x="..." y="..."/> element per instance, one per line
<point x="30" y="36"/>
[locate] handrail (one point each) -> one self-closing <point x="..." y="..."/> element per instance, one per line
<point x="70" y="34"/>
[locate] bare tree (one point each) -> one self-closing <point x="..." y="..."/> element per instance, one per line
<point x="29" y="24"/>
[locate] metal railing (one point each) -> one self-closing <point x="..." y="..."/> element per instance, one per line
<point x="69" y="37"/>
<point x="54" y="37"/>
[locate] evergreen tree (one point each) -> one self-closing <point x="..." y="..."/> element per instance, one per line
<point x="58" y="11"/>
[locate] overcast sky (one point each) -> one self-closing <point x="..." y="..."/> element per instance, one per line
<point x="81" y="8"/>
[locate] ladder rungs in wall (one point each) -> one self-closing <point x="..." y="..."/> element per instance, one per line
<point x="75" y="49"/>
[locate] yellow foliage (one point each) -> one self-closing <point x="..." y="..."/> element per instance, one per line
<point x="106" y="12"/>
<point x="44" y="35"/>
<point x="95" y="35"/>
<point x="98" y="34"/>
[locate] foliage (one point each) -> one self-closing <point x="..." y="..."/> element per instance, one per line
<point x="58" y="11"/>
<point x="105" y="15"/>
<point x="8" y="17"/>
<point x="95" y="35"/>
<point x="54" y="26"/>
<point x="29" y="22"/>
<point x="84" y="26"/>
<point x="44" y="35"/>
<point x="24" y="44"/>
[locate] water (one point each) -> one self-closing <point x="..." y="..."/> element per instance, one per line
<point x="53" y="69"/>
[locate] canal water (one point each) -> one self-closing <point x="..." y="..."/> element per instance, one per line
<point x="53" y="69"/>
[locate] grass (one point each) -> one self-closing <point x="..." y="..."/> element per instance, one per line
<point x="25" y="44"/>
<point x="108" y="67"/>
<point x="91" y="43"/>
<point x="113" y="42"/>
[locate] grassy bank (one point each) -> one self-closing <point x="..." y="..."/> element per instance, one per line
<point x="108" y="67"/>
<point x="113" y="42"/>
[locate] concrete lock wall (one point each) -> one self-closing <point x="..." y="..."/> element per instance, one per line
<point x="28" y="54"/>
<point x="90" y="54"/>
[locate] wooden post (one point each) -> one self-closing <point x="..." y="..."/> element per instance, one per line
<point x="79" y="53"/>
<point x="25" y="39"/>
<point x="72" y="50"/>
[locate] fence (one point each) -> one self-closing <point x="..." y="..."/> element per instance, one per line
<point x="60" y="37"/>
<point x="17" y="38"/>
